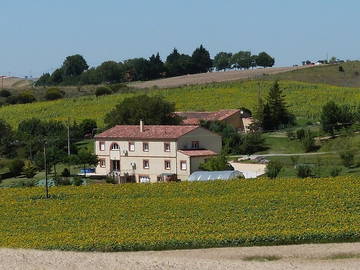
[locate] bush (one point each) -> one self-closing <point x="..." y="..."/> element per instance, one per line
<point x="12" y="100"/>
<point x="29" y="169"/>
<point x="53" y="94"/>
<point x="290" y="134"/>
<point x="5" y="93"/>
<point x="77" y="181"/>
<point x="308" y="142"/>
<point x="335" y="172"/>
<point x="16" y="166"/>
<point x="110" y="180"/>
<point x="65" y="173"/>
<point x="119" y="86"/>
<point x="347" y="158"/>
<point x="304" y="171"/>
<point x="300" y="134"/>
<point x="26" y="97"/>
<point x="273" y="169"/>
<point x="341" y="69"/>
<point x="102" y="90"/>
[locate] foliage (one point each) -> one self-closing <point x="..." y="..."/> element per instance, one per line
<point x="273" y="169"/>
<point x="26" y="97"/>
<point x="102" y="90"/>
<point x="201" y="60"/>
<point x="181" y="215"/>
<point x="347" y="158"/>
<point x="264" y="60"/>
<point x="77" y="181"/>
<point x="304" y="171"/>
<point x="65" y="173"/>
<point x="5" y="93"/>
<point x="6" y="138"/>
<point x="29" y="169"/>
<point x="152" y="110"/>
<point x="222" y="61"/>
<point x="74" y="65"/>
<point x="218" y="163"/>
<point x="16" y="166"/>
<point x="308" y="141"/>
<point x="335" y="117"/>
<point x="335" y="172"/>
<point x="53" y="94"/>
<point x="241" y="60"/>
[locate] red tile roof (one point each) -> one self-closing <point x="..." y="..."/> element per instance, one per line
<point x="198" y="153"/>
<point x="150" y="132"/>
<point x="193" y="118"/>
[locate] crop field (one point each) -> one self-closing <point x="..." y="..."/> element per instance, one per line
<point x="182" y="215"/>
<point x="304" y="99"/>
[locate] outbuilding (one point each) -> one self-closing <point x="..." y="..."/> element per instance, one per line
<point x="215" y="175"/>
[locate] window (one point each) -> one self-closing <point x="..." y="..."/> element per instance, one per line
<point x="115" y="146"/>
<point x="146" y="164"/>
<point x="167" y="164"/>
<point x="146" y="147"/>
<point x="102" y="146"/>
<point x="131" y="146"/>
<point x="183" y="165"/>
<point x="167" y="147"/>
<point x="102" y="163"/>
<point x="195" y="144"/>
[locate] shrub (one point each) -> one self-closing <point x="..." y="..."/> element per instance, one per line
<point x="102" y="90"/>
<point x="341" y="69"/>
<point x="304" y="171"/>
<point x="335" y="172"/>
<point x="77" y="181"/>
<point x="110" y="180"/>
<point x="65" y="173"/>
<point x="116" y="87"/>
<point x="12" y="100"/>
<point x="300" y="134"/>
<point x="53" y="94"/>
<point x="347" y="158"/>
<point x="29" y="169"/>
<point x="16" y="166"/>
<point x="290" y="134"/>
<point x="308" y="142"/>
<point x="273" y="169"/>
<point x="294" y="160"/>
<point x="26" y="97"/>
<point x="5" y="93"/>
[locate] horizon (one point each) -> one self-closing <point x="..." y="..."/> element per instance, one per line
<point x="44" y="34"/>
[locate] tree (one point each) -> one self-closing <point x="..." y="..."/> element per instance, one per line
<point x="110" y="72"/>
<point x="222" y="61"/>
<point x="329" y="117"/>
<point x="308" y="141"/>
<point x="138" y="69"/>
<point x="264" y="60"/>
<point x="6" y="138"/>
<point x="201" y="60"/>
<point x="178" y="64"/>
<point x="87" y="126"/>
<point x="16" y="166"/>
<point x="218" y="163"/>
<point x="29" y="169"/>
<point x="102" y="91"/>
<point x="91" y="76"/>
<point x="273" y="169"/>
<point x="278" y="111"/>
<point x="44" y="80"/>
<point x="74" y="65"/>
<point x="156" y="67"/>
<point x="57" y="76"/>
<point x="242" y="59"/>
<point x="152" y="110"/>
<point x="347" y="157"/>
<point x="84" y="158"/>
<point x="5" y="93"/>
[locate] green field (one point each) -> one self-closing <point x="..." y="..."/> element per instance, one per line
<point x="182" y="215"/>
<point x="325" y="74"/>
<point x="305" y="100"/>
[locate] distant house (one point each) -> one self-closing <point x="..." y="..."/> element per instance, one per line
<point x="151" y="153"/>
<point x="238" y="119"/>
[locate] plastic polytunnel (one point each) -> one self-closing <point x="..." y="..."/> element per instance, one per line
<point x="215" y="175"/>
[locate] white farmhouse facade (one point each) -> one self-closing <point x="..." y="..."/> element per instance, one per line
<point x="151" y="153"/>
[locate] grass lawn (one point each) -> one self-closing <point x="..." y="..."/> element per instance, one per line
<point x="182" y="215"/>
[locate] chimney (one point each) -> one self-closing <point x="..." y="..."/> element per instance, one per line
<point x="141" y="126"/>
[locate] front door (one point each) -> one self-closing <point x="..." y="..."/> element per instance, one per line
<point x="115" y="164"/>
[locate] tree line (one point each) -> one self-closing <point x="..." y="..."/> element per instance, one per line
<point x="76" y="71"/>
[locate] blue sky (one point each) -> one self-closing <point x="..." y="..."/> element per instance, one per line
<point x="37" y="35"/>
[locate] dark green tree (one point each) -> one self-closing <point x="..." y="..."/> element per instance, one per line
<point x="178" y="64"/>
<point x="156" y="67"/>
<point x="201" y="60"/>
<point x="74" y="65"/>
<point x="6" y="138"/>
<point x="44" y="80"/>
<point x="152" y="110"/>
<point x="110" y="72"/>
<point x="57" y="76"/>
<point x="222" y="61"/>
<point x="218" y="163"/>
<point x="242" y="59"/>
<point x="264" y="60"/>
<point x="329" y="117"/>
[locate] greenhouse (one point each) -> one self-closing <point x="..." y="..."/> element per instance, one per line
<point x="215" y="175"/>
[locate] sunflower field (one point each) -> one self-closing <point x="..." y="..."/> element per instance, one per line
<point x="305" y="100"/>
<point x="182" y="215"/>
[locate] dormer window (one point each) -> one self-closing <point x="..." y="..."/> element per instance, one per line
<point x="195" y="145"/>
<point x="115" y="146"/>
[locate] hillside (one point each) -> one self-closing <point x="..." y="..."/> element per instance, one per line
<point x="14" y="82"/>
<point x="182" y="215"/>
<point x="212" y="77"/>
<point x="326" y="74"/>
<point x="305" y="100"/>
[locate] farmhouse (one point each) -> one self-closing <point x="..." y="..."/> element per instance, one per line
<point x="151" y="153"/>
<point x="238" y="119"/>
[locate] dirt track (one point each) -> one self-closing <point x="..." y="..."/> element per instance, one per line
<point x="321" y="256"/>
<point x="211" y="77"/>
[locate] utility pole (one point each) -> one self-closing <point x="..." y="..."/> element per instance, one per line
<point x="68" y="135"/>
<point x="46" y="176"/>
